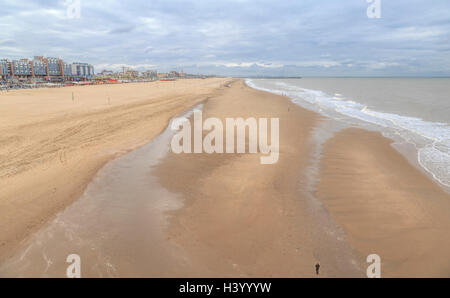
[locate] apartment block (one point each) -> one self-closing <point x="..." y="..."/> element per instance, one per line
<point x="21" y="68"/>
<point x="82" y="70"/>
<point x="54" y="67"/>
<point x="5" y="70"/>
<point x="39" y="66"/>
<point x="45" y="68"/>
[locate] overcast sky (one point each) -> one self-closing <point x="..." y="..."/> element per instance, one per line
<point x="235" y="37"/>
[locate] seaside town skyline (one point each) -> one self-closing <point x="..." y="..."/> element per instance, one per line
<point x="44" y="67"/>
<point x="51" y="69"/>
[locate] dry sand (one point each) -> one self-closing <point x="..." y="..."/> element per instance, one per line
<point x="51" y="146"/>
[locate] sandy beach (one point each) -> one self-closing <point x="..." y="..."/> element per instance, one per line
<point x="52" y="146"/>
<point x="238" y="218"/>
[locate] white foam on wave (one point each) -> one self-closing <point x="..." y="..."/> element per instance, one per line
<point x="431" y="139"/>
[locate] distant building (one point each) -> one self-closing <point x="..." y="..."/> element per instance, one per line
<point x="39" y="66"/>
<point x="54" y="67"/>
<point x="49" y="68"/>
<point x="150" y="74"/>
<point x="21" y="68"/>
<point x="82" y="70"/>
<point x="91" y="71"/>
<point x="74" y="68"/>
<point x="132" y="74"/>
<point x="174" y="74"/>
<point x="107" y="74"/>
<point x="67" y="70"/>
<point x="5" y="71"/>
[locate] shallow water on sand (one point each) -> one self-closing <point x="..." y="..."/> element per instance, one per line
<point x="116" y="227"/>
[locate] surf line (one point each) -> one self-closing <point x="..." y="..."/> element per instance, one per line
<point x="213" y="142"/>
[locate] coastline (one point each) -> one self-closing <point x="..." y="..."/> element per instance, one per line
<point x="230" y="202"/>
<point x="240" y="218"/>
<point x="418" y="135"/>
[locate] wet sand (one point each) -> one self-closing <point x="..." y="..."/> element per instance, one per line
<point x="386" y="205"/>
<point x="244" y="219"/>
<point x="116" y="227"/>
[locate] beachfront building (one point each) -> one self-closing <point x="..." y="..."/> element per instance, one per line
<point x="67" y="70"/>
<point x="74" y="69"/>
<point x="54" y="67"/>
<point x="48" y="69"/>
<point x="22" y="68"/>
<point x="39" y="66"/>
<point x="150" y="74"/>
<point x="130" y="74"/>
<point x="5" y="70"/>
<point x="107" y="74"/>
<point x="82" y="70"/>
<point x="91" y="71"/>
<point x="163" y="75"/>
<point x="173" y="74"/>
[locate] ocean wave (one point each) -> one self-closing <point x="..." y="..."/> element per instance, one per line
<point x="431" y="139"/>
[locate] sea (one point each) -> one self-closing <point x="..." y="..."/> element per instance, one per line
<point x="414" y="112"/>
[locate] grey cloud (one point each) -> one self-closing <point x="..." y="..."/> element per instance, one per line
<point x="126" y="29"/>
<point x="306" y="37"/>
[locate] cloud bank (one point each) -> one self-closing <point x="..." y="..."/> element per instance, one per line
<point x="236" y="37"/>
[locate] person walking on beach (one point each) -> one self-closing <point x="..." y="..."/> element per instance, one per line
<point x="317" y="268"/>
